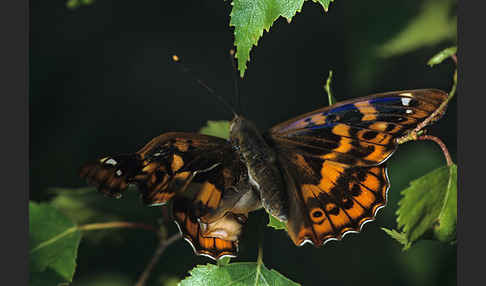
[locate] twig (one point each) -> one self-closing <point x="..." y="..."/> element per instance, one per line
<point x="454" y="58"/>
<point x="163" y="244"/>
<point x="260" y="248"/>
<point x="441" y="144"/>
<point x="416" y="132"/>
<point x="94" y="226"/>
<point x="117" y="224"/>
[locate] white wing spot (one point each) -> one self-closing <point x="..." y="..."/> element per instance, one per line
<point x="111" y="161"/>
<point x="119" y="172"/>
<point x="406" y="101"/>
<point x="409" y="111"/>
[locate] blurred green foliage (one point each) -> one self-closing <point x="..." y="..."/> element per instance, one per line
<point x="431" y="26"/>
<point x="216" y="128"/>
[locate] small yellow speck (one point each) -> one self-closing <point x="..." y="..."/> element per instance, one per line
<point x="175" y="58"/>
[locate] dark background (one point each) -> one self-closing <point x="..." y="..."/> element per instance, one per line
<point x="102" y="82"/>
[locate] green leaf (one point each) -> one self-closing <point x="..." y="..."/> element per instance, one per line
<point x="431" y="26"/>
<point x="325" y="3"/>
<point x="216" y="128"/>
<point x="224" y="261"/>
<point x="251" y="17"/>
<point x="398" y="236"/>
<point x="235" y="274"/>
<point x="425" y="201"/>
<point x="53" y="248"/>
<point x="445" y="229"/>
<point x="275" y="223"/>
<point x="441" y="56"/>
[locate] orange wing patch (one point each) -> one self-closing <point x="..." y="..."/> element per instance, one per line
<point x="342" y="201"/>
<point x="215" y="240"/>
<point x="209" y="195"/>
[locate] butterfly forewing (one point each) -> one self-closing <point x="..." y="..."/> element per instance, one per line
<point x="333" y="160"/>
<point x="358" y="132"/>
<point x="201" y="173"/>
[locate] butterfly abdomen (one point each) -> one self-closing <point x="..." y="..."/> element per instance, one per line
<point x="111" y="175"/>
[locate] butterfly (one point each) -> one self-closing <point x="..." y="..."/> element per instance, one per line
<point x="323" y="173"/>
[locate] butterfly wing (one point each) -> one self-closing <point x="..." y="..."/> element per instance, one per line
<point x="361" y="131"/>
<point x="201" y="173"/>
<point x="328" y="200"/>
<point x="333" y="160"/>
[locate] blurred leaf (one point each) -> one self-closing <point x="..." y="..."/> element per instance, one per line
<point x="53" y="245"/>
<point x="275" y="223"/>
<point x="441" y="56"/>
<point x="74" y="4"/>
<point x="168" y="280"/>
<point x="75" y="204"/>
<point x="217" y="128"/>
<point x="235" y="274"/>
<point x="445" y="229"/>
<point x="398" y="236"/>
<point x="431" y="26"/>
<point x="251" y="17"/>
<point x="423" y="202"/>
<point x="86" y="205"/>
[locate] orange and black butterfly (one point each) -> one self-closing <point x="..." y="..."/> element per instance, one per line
<point x="323" y="173"/>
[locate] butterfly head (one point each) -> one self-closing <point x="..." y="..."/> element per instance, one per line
<point x="241" y="128"/>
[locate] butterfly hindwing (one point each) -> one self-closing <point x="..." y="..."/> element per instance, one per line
<point x="328" y="200"/>
<point x="216" y="239"/>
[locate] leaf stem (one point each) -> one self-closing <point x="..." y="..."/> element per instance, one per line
<point x="444" y="104"/>
<point x="441" y="144"/>
<point x="163" y="244"/>
<point x="415" y="133"/>
<point x="260" y="250"/>
<point x="93" y="226"/>
<point x="327" y="87"/>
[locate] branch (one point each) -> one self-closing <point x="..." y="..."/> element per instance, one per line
<point x="163" y="244"/>
<point x="441" y="144"/>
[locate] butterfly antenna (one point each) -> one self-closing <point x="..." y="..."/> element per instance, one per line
<point x="235" y="79"/>
<point x="177" y="60"/>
